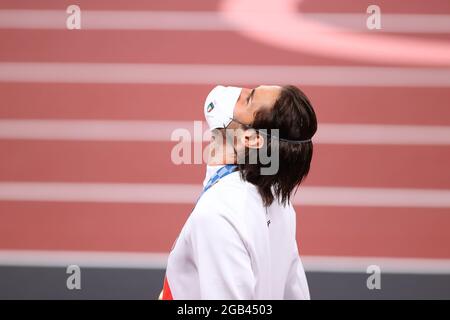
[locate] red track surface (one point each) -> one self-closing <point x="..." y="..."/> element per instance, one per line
<point x="351" y="165"/>
<point x="360" y="231"/>
<point x="421" y="106"/>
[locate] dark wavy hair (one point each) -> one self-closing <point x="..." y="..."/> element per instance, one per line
<point x="294" y="117"/>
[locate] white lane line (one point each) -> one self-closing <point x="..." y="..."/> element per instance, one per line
<point x="99" y="192"/>
<point x="115" y="20"/>
<point x="99" y="130"/>
<point x="208" y="21"/>
<point x="188" y="194"/>
<point x="399" y="23"/>
<point x="387" y="265"/>
<point x="223" y="74"/>
<point x="147" y="260"/>
<point x="92" y="259"/>
<point x="372" y="197"/>
<point x="122" y="130"/>
<point x="383" y="134"/>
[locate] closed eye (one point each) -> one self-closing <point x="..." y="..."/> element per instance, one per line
<point x="250" y="95"/>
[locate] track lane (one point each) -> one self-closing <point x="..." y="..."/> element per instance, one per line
<point x="144" y="162"/>
<point x="365" y="105"/>
<point x="387" y="232"/>
<point x="140" y="46"/>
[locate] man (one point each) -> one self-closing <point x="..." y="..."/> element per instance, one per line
<point x="240" y="240"/>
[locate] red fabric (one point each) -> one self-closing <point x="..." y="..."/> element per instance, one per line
<point x="167" y="294"/>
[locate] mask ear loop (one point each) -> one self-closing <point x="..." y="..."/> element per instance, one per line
<point x="272" y="136"/>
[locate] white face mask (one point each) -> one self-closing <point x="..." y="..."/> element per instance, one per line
<point x="219" y="106"/>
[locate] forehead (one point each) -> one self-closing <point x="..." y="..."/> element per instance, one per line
<point x="266" y="93"/>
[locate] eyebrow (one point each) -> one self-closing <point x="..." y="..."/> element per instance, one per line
<point x="250" y="97"/>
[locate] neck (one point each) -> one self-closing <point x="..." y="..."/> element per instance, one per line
<point x="220" y="153"/>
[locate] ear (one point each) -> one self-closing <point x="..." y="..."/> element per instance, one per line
<point x="253" y="140"/>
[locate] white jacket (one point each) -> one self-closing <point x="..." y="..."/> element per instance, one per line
<point x="232" y="247"/>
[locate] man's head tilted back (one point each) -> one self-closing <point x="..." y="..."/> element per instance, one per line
<point x="251" y="115"/>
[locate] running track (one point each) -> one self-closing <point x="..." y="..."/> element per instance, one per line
<point x="31" y="90"/>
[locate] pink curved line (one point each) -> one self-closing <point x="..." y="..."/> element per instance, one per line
<point x="278" y="23"/>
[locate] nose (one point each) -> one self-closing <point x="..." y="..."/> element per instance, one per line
<point x="244" y="93"/>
